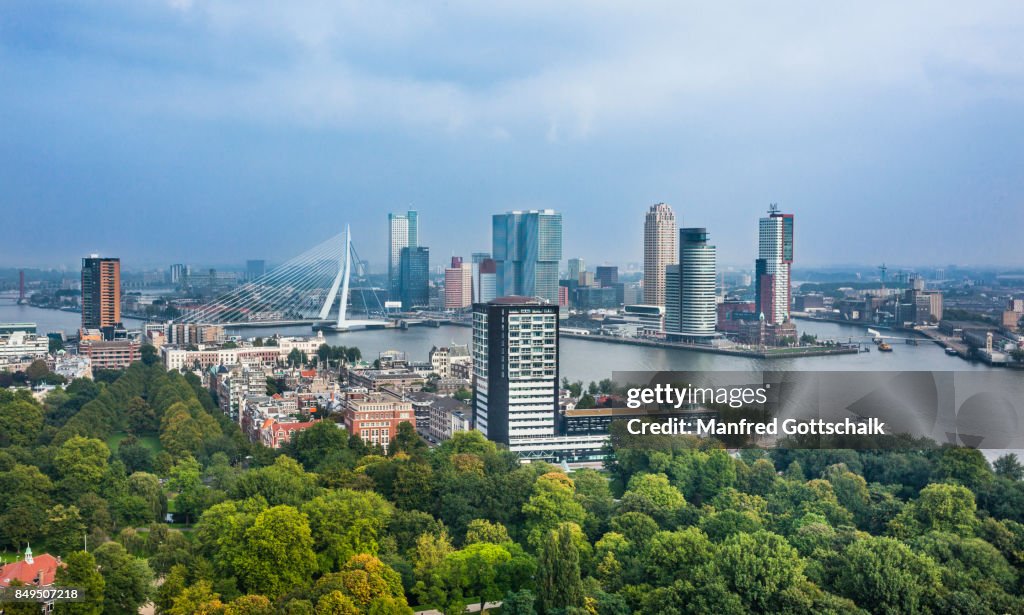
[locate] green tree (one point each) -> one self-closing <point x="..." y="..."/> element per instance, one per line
<point x="197" y="599"/>
<point x="186" y="480"/>
<point x="759" y="567"/>
<point x="885" y="575"/>
<point x="653" y="495"/>
<point x="345" y="523"/>
<point x="20" y="422"/>
<point x="559" y="586"/>
<point x="939" y="507"/>
<point x="553" y="502"/>
<point x="36" y="371"/>
<point x="1009" y="466"/>
<point x="82" y="463"/>
<point x="127" y="580"/>
<point x="277" y="553"/>
<point x="251" y="604"/>
<point x="482" y="530"/>
<point x="477" y="571"/>
<point x="81" y="570"/>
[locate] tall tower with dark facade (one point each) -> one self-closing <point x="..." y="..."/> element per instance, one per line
<point x="101" y="294"/>
<point x="515" y="369"/>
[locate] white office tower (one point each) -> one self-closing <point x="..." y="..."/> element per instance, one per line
<point x="698" y="311"/>
<point x="515" y="369"/>
<point x="403" y="232"/>
<point x="773" y="265"/>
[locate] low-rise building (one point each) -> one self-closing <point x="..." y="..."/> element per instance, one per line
<point x="117" y="354"/>
<point x="23" y="345"/>
<point x="374" y="416"/>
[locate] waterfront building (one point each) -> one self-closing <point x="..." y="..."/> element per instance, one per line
<point x="403" y="232"/>
<point x="414" y="277"/>
<point x="515" y="368"/>
<point x="773" y="266"/>
<point x="21" y="345"/>
<point x="690" y="293"/>
<point x="527" y="251"/>
<point x="458" y="285"/>
<point x="659" y="251"/>
<point x="443" y="358"/>
<point x="101" y="295"/>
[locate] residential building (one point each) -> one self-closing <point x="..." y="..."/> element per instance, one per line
<point x="487" y="283"/>
<point x="515" y="368"/>
<point x="101" y="295"/>
<point x="117" y="354"/>
<point x="442" y="358"/>
<point x="659" y="251"/>
<point x="276" y="433"/>
<point x="527" y="251"/>
<point x="375" y="416"/>
<point x="403" y="232"/>
<point x="773" y="266"/>
<point x="38" y="571"/>
<point x="458" y="285"/>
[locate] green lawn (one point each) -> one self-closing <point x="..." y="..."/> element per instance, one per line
<point x="150" y="442"/>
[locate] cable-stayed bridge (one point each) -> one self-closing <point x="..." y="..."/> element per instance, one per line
<point x="303" y="290"/>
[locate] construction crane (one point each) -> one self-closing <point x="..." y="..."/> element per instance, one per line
<point x="882" y="268"/>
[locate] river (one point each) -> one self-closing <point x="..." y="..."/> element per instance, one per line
<point x="580" y="359"/>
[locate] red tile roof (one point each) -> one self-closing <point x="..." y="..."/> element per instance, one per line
<point x="40" y="572"/>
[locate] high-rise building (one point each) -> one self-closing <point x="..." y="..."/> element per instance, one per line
<point x="178" y="273"/>
<point x="659" y="251"/>
<point x="101" y="294"/>
<point x="478" y="257"/>
<point x="606" y="275"/>
<point x="690" y="289"/>
<point x="255" y="269"/>
<point x="487" y="281"/>
<point x="576" y="267"/>
<point x="515" y="368"/>
<point x="403" y="232"/>
<point x="414" y="277"/>
<point x="672" y="297"/>
<point x="773" y="266"/>
<point x="458" y="285"/>
<point x="527" y="251"/>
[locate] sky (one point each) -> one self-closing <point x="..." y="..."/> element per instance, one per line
<point x="211" y="132"/>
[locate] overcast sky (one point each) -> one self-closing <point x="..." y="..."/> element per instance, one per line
<point x="212" y="132"/>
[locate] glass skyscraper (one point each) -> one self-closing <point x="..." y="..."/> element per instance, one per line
<point x="414" y="277"/>
<point x="403" y="232"/>
<point x="527" y="251"/>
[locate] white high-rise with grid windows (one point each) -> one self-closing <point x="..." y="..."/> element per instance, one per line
<point x="403" y="232"/>
<point x="515" y="369"/>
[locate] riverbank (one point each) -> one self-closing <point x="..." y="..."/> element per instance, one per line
<point x="791" y="352"/>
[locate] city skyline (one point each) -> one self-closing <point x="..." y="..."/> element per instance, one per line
<point x="874" y="121"/>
